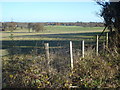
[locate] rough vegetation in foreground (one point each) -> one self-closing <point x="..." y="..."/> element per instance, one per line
<point x="32" y="71"/>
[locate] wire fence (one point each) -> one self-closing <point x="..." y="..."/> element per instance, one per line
<point x="59" y="54"/>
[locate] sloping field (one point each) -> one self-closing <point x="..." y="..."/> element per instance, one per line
<point x="58" y="31"/>
<point x="56" y="36"/>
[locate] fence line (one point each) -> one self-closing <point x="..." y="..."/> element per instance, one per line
<point x="46" y="45"/>
<point x="47" y="52"/>
<point x="71" y="52"/>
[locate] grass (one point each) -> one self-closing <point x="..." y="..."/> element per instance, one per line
<point x="3" y="52"/>
<point x="51" y="30"/>
<point x="55" y="35"/>
<point x="71" y="28"/>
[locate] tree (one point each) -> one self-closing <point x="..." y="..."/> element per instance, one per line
<point x="12" y="26"/>
<point x="4" y="26"/>
<point x="30" y="26"/>
<point x="37" y="27"/>
<point x="9" y="26"/>
<point x="111" y="14"/>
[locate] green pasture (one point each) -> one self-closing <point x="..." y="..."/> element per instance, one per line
<point x="69" y="29"/>
<point x="56" y="36"/>
<point x="23" y="34"/>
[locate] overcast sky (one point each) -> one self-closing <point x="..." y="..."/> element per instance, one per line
<point x="50" y="11"/>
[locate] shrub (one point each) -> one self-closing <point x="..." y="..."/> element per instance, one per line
<point x="97" y="71"/>
<point x="33" y="71"/>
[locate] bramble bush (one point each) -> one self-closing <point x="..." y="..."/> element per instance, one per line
<point x="32" y="71"/>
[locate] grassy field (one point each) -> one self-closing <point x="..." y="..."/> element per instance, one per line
<point x="51" y="31"/>
<point x="56" y="36"/>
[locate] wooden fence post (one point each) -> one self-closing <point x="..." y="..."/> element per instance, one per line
<point x="106" y="39"/>
<point x="97" y="45"/>
<point x="83" y="49"/>
<point x="71" y="54"/>
<point x="36" y="49"/>
<point x="47" y="51"/>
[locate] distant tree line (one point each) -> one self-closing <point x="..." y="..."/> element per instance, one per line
<point x="10" y="26"/>
<point x="37" y="27"/>
<point x="87" y="24"/>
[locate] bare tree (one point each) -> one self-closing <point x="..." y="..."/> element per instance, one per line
<point x="12" y="25"/>
<point x="9" y="26"/>
<point x="37" y="27"/>
<point x="30" y="26"/>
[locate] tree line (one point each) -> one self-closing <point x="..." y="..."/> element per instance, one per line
<point x="10" y="26"/>
<point x="37" y="27"/>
